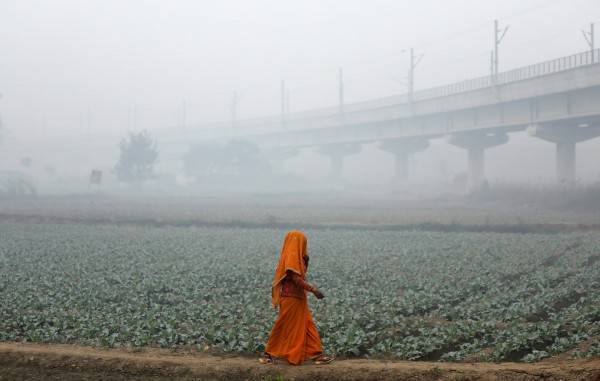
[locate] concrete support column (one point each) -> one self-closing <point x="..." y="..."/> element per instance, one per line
<point x="476" y="164"/>
<point x="336" y="154"/>
<point x="475" y="143"/>
<point x="566" y="139"/>
<point x="403" y="149"/>
<point x="337" y="164"/>
<point x="401" y="165"/>
<point x="565" y="162"/>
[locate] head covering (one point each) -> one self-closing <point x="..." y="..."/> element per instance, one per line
<point x="291" y="259"/>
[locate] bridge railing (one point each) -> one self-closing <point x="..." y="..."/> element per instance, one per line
<point x="527" y="72"/>
<point x="549" y="67"/>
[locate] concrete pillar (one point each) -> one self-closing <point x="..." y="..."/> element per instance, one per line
<point x="403" y="149"/>
<point x="476" y="142"/>
<point x="336" y="153"/>
<point x="566" y="139"/>
<point x="337" y="164"/>
<point x="476" y="163"/>
<point x="401" y="165"/>
<point x="565" y="162"/>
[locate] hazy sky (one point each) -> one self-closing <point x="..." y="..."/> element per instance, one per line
<point x="117" y="58"/>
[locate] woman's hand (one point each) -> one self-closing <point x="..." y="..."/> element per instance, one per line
<point x="318" y="294"/>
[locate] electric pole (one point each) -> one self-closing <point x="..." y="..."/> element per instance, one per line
<point x="341" y="94"/>
<point x="498" y="37"/>
<point x="411" y="73"/>
<point x="589" y="38"/>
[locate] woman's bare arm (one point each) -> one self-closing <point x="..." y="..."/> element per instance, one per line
<point x="299" y="282"/>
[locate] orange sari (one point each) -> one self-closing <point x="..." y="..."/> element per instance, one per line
<point x="294" y="335"/>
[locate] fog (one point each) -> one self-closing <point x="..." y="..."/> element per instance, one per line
<point x="76" y="77"/>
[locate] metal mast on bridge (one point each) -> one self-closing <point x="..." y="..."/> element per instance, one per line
<point x="589" y="38"/>
<point x="498" y="37"/>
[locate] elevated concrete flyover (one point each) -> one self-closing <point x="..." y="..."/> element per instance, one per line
<point x="474" y="114"/>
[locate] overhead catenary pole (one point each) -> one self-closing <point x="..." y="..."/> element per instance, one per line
<point x="592" y="46"/>
<point x="498" y="37"/>
<point x="411" y="73"/>
<point x="589" y="38"/>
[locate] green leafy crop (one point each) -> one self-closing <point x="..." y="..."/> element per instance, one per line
<point x="408" y="295"/>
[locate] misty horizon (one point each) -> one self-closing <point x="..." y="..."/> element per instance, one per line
<point x="76" y="78"/>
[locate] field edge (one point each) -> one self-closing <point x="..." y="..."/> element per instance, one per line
<point x="72" y="362"/>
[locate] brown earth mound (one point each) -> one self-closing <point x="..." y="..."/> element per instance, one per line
<point x="67" y="362"/>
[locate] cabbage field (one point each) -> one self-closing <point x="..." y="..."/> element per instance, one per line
<point x="410" y="295"/>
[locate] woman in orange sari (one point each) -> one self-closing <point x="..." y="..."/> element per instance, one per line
<point x="294" y="336"/>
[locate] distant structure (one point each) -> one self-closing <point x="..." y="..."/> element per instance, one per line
<point x="557" y="101"/>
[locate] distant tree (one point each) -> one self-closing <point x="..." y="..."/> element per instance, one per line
<point x="137" y="159"/>
<point x="236" y="157"/>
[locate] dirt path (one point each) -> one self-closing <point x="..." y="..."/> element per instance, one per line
<point x="66" y="362"/>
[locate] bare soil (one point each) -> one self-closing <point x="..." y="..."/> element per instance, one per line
<point x="20" y="361"/>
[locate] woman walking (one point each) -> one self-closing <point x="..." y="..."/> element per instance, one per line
<point x="294" y="336"/>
